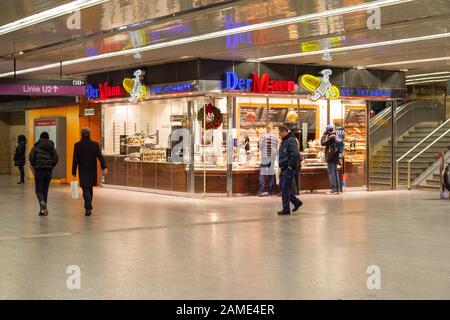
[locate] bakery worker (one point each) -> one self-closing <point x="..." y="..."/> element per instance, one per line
<point x="85" y="155"/>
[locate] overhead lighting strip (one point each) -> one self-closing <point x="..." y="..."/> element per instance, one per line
<point x="426" y="81"/>
<point x="219" y="34"/>
<point x="408" y="62"/>
<point x="427" y="74"/>
<point x="428" y="78"/>
<point x="48" y="14"/>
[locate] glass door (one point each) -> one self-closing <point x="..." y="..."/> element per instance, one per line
<point x="355" y="140"/>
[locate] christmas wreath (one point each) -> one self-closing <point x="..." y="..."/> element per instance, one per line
<point x="212" y="115"/>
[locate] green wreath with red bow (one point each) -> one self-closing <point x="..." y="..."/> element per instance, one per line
<point x="213" y="116"/>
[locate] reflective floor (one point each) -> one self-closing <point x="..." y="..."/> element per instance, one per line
<point x="145" y="246"/>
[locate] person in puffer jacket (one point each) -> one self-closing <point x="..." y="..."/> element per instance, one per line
<point x="43" y="159"/>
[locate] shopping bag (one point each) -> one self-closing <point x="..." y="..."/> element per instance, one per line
<point x="74" y="187"/>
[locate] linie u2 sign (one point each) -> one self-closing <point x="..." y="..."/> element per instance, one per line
<point x="89" y="112"/>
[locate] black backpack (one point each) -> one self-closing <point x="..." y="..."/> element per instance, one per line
<point x="447" y="177"/>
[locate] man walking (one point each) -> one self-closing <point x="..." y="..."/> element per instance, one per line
<point x="332" y="158"/>
<point x="268" y="146"/>
<point x="289" y="158"/>
<point x="85" y="155"/>
<point x="43" y="159"/>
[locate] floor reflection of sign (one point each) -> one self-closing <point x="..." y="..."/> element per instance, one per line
<point x="48" y="126"/>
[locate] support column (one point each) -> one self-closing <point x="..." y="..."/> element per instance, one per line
<point x="231" y="104"/>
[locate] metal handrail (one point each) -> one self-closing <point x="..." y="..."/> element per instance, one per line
<point x="414" y="148"/>
<point x="420" y="153"/>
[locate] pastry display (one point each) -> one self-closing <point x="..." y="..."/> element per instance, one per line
<point x="157" y="154"/>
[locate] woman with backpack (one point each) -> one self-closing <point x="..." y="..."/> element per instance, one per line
<point x="329" y="141"/>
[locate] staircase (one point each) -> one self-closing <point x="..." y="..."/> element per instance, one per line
<point x="380" y="167"/>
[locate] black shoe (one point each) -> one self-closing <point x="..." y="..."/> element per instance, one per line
<point x="88" y="213"/>
<point x="41" y="213"/>
<point x="44" y="210"/>
<point x="283" y="213"/>
<point x="262" y="195"/>
<point x="296" y="207"/>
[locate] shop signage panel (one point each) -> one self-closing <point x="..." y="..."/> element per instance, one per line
<point x="174" y="88"/>
<point x="104" y="91"/>
<point x="372" y="92"/>
<point x="319" y="87"/>
<point x="134" y="86"/>
<point x="49" y="89"/>
<point x="257" y="84"/>
<point x="89" y="112"/>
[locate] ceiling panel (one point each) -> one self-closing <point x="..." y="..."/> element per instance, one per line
<point x="412" y="19"/>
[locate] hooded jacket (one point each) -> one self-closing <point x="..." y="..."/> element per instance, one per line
<point x="289" y="156"/>
<point x="43" y="155"/>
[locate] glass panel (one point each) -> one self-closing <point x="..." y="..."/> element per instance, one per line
<point x="210" y="138"/>
<point x="380" y="147"/>
<point x="355" y="125"/>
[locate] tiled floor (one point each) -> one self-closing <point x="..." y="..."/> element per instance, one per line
<point x="146" y="246"/>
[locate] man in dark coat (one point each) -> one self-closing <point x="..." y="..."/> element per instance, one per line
<point x="289" y="158"/>
<point x="332" y="158"/>
<point x="43" y="159"/>
<point x="85" y="155"/>
<point x="19" y="157"/>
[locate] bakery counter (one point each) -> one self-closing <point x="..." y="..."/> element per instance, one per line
<point x="315" y="178"/>
<point x="144" y="174"/>
<point x="245" y="180"/>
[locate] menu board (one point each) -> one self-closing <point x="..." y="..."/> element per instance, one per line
<point x="308" y="116"/>
<point x="257" y="119"/>
<point x="278" y="115"/>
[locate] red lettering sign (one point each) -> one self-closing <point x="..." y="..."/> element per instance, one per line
<point x="106" y="91"/>
<point x="265" y="85"/>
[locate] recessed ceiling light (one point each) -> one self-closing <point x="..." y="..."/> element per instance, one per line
<point x="360" y="67"/>
<point x="49" y="14"/>
<point x="217" y="34"/>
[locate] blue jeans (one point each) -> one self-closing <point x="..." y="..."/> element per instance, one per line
<point x="333" y="176"/>
<point x="262" y="183"/>
<point x="287" y="195"/>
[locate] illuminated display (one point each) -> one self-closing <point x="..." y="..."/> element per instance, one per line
<point x="179" y="87"/>
<point x="257" y="84"/>
<point x="103" y="92"/>
<point x="320" y="87"/>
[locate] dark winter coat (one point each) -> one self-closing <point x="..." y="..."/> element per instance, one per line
<point x="43" y="155"/>
<point x="85" y="155"/>
<point x="289" y="155"/>
<point x="331" y="151"/>
<point x="19" y="155"/>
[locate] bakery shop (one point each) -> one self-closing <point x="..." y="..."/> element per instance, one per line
<point x="196" y="130"/>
